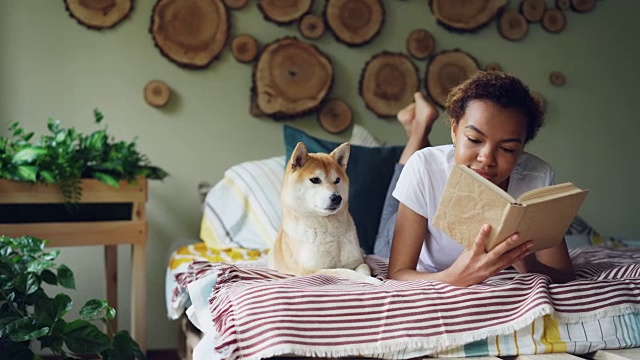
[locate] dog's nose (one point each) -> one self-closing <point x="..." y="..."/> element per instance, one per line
<point x="335" y="199"/>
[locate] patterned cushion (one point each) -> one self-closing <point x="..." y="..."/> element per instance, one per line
<point x="243" y="209"/>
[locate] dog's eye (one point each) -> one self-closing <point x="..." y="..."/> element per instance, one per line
<point x="337" y="181"/>
<point x="315" y="180"/>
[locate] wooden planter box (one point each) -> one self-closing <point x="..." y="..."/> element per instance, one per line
<point x="33" y="206"/>
<point x="102" y="231"/>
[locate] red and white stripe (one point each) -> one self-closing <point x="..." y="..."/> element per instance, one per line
<point x="260" y="313"/>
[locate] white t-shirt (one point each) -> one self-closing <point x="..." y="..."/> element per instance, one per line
<point x="422" y="182"/>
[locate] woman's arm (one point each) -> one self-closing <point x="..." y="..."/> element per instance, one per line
<point x="553" y="262"/>
<point x="408" y="235"/>
<point x="472" y="266"/>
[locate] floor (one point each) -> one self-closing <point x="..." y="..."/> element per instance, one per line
<point x="151" y="355"/>
<point x="162" y="355"/>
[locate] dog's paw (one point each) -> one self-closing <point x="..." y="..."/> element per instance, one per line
<point x="351" y="275"/>
<point x="363" y="269"/>
<point x="373" y="281"/>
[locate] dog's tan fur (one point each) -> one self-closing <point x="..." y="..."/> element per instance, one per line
<point x="317" y="234"/>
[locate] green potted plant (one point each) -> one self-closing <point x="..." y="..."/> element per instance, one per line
<point x="36" y="178"/>
<point x="66" y="156"/>
<point x="28" y="314"/>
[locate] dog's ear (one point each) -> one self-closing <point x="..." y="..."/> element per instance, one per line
<point x="299" y="156"/>
<point x="341" y="154"/>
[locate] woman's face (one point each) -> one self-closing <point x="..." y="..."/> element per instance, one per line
<point x="489" y="139"/>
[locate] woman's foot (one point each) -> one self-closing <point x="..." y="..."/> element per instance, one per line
<point x="425" y="115"/>
<point x="417" y="120"/>
<point x="418" y="117"/>
<point x="406" y="116"/>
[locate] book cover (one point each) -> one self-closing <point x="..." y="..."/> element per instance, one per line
<point x="469" y="201"/>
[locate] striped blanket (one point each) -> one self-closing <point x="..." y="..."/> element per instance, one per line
<point x="256" y="313"/>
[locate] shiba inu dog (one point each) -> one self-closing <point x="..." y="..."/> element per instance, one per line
<point x="318" y="234"/>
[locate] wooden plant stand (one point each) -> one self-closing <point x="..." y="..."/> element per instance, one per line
<point x="109" y="234"/>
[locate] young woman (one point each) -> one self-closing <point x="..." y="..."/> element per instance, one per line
<point x="492" y="117"/>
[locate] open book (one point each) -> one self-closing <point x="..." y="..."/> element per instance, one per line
<point x="469" y="201"/>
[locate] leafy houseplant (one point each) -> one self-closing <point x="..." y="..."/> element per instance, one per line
<point x="66" y="156"/>
<point x="28" y="313"/>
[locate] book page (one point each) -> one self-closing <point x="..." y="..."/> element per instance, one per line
<point x="491" y="186"/>
<point x="546" y="222"/>
<point x="548" y="192"/>
<point x="466" y="205"/>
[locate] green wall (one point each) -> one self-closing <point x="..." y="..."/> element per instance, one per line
<point x="52" y="66"/>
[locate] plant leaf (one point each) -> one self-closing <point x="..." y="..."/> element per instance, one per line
<point x="95" y="141"/>
<point x="82" y="337"/>
<point x="106" y="178"/>
<point x="37" y="266"/>
<point x="4" y="323"/>
<point x="26" y="172"/>
<point x="48" y="311"/>
<point x="111" y="313"/>
<point x="29" y="244"/>
<point x="24" y="329"/>
<point x="53" y="126"/>
<point x="53" y="342"/>
<point x="93" y="309"/>
<point x="6" y="268"/>
<point x="49" y="277"/>
<point x="27" y="283"/>
<point x="51" y="255"/>
<point x="98" y="116"/>
<point x="48" y="176"/>
<point x="124" y="348"/>
<point x="65" y="277"/>
<point x="156" y="173"/>
<point x="28" y="155"/>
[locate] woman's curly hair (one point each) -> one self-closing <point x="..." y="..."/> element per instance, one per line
<point x="500" y="88"/>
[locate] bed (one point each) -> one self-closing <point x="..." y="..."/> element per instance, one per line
<point x="230" y="306"/>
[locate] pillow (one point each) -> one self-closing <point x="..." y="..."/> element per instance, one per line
<point x="369" y="169"/>
<point x="579" y="226"/>
<point x="362" y="137"/>
<point x="243" y="209"/>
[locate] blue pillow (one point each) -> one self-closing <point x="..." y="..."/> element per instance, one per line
<point x="369" y="169"/>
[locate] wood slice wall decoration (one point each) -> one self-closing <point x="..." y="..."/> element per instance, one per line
<point x="446" y="70"/>
<point x="235" y="4"/>
<point x="512" y="25"/>
<point x="532" y="10"/>
<point x="465" y="15"/>
<point x="312" y="26"/>
<point x="420" y="44"/>
<point x="583" y="5"/>
<point x="157" y="93"/>
<point x="557" y="78"/>
<point x="554" y="20"/>
<point x="244" y="48"/>
<point x="284" y="12"/>
<point x="291" y="78"/>
<point x="99" y="14"/>
<point x="388" y="82"/>
<point x="335" y="116"/>
<point x="563" y="4"/>
<point x="191" y="33"/>
<point x="354" y="22"/>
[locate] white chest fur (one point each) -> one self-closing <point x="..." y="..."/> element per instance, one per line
<point x="324" y="242"/>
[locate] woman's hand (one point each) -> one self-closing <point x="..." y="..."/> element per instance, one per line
<point x="553" y="262"/>
<point x="475" y="265"/>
